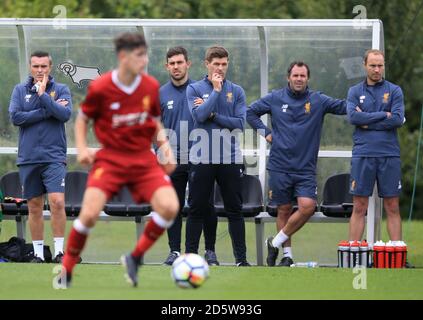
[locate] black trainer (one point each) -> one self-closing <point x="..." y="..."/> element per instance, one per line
<point x="285" y="262"/>
<point x="131" y="269"/>
<point x="173" y="255"/>
<point x="243" y="264"/>
<point x="211" y="258"/>
<point x="272" y="252"/>
<point x="37" y="260"/>
<point x="58" y="258"/>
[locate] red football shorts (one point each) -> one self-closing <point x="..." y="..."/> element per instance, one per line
<point x="142" y="175"/>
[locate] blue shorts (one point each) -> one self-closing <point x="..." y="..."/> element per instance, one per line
<point x="38" y="179"/>
<point x="285" y="187"/>
<point x="386" y="171"/>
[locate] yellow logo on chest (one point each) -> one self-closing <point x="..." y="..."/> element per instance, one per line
<point x="307" y="107"/>
<point x="385" y="97"/>
<point x="229" y="97"/>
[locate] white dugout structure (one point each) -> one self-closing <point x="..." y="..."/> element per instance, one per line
<point x="260" y="53"/>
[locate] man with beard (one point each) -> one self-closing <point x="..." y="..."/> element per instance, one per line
<point x="177" y="119"/>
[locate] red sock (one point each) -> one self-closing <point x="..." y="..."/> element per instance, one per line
<point x="76" y="242"/>
<point x="151" y="233"/>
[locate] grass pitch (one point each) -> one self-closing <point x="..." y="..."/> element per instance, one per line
<point x="313" y="242"/>
<point x="34" y="281"/>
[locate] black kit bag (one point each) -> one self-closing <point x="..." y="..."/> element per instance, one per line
<point x="16" y="250"/>
<point x="13" y="249"/>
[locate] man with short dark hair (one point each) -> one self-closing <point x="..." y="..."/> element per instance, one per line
<point x="218" y="108"/>
<point x="178" y="121"/>
<point x="40" y="107"/>
<point x="375" y="107"/>
<point x="124" y="105"/>
<point x="297" y="115"/>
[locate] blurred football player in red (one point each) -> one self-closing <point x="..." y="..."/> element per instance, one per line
<point x="124" y="106"/>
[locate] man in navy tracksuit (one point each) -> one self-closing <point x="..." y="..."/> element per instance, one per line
<point x="218" y="108"/>
<point x="40" y="107"/>
<point x="176" y="117"/>
<point x="297" y="117"/>
<point x="375" y="107"/>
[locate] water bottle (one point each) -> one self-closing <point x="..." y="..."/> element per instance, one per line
<point x="390" y="254"/>
<point x="364" y="254"/>
<point x="309" y="264"/>
<point x="379" y="254"/>
<point x="343" y="254"/>
<point x="400" y="254"/>
<point x="354" y="254"/>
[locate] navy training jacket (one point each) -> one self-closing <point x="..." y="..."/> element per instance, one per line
<point x="297" y="121"/>
<point x="41" y="121"/>
<point x="217" y="139"/>
<point x="176" y="116"/>
<point x="375" y="134"/>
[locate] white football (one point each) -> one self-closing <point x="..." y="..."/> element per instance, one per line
<point x="190" y="270"/>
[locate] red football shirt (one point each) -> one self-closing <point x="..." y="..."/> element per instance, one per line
<point x="124" y="117"/>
